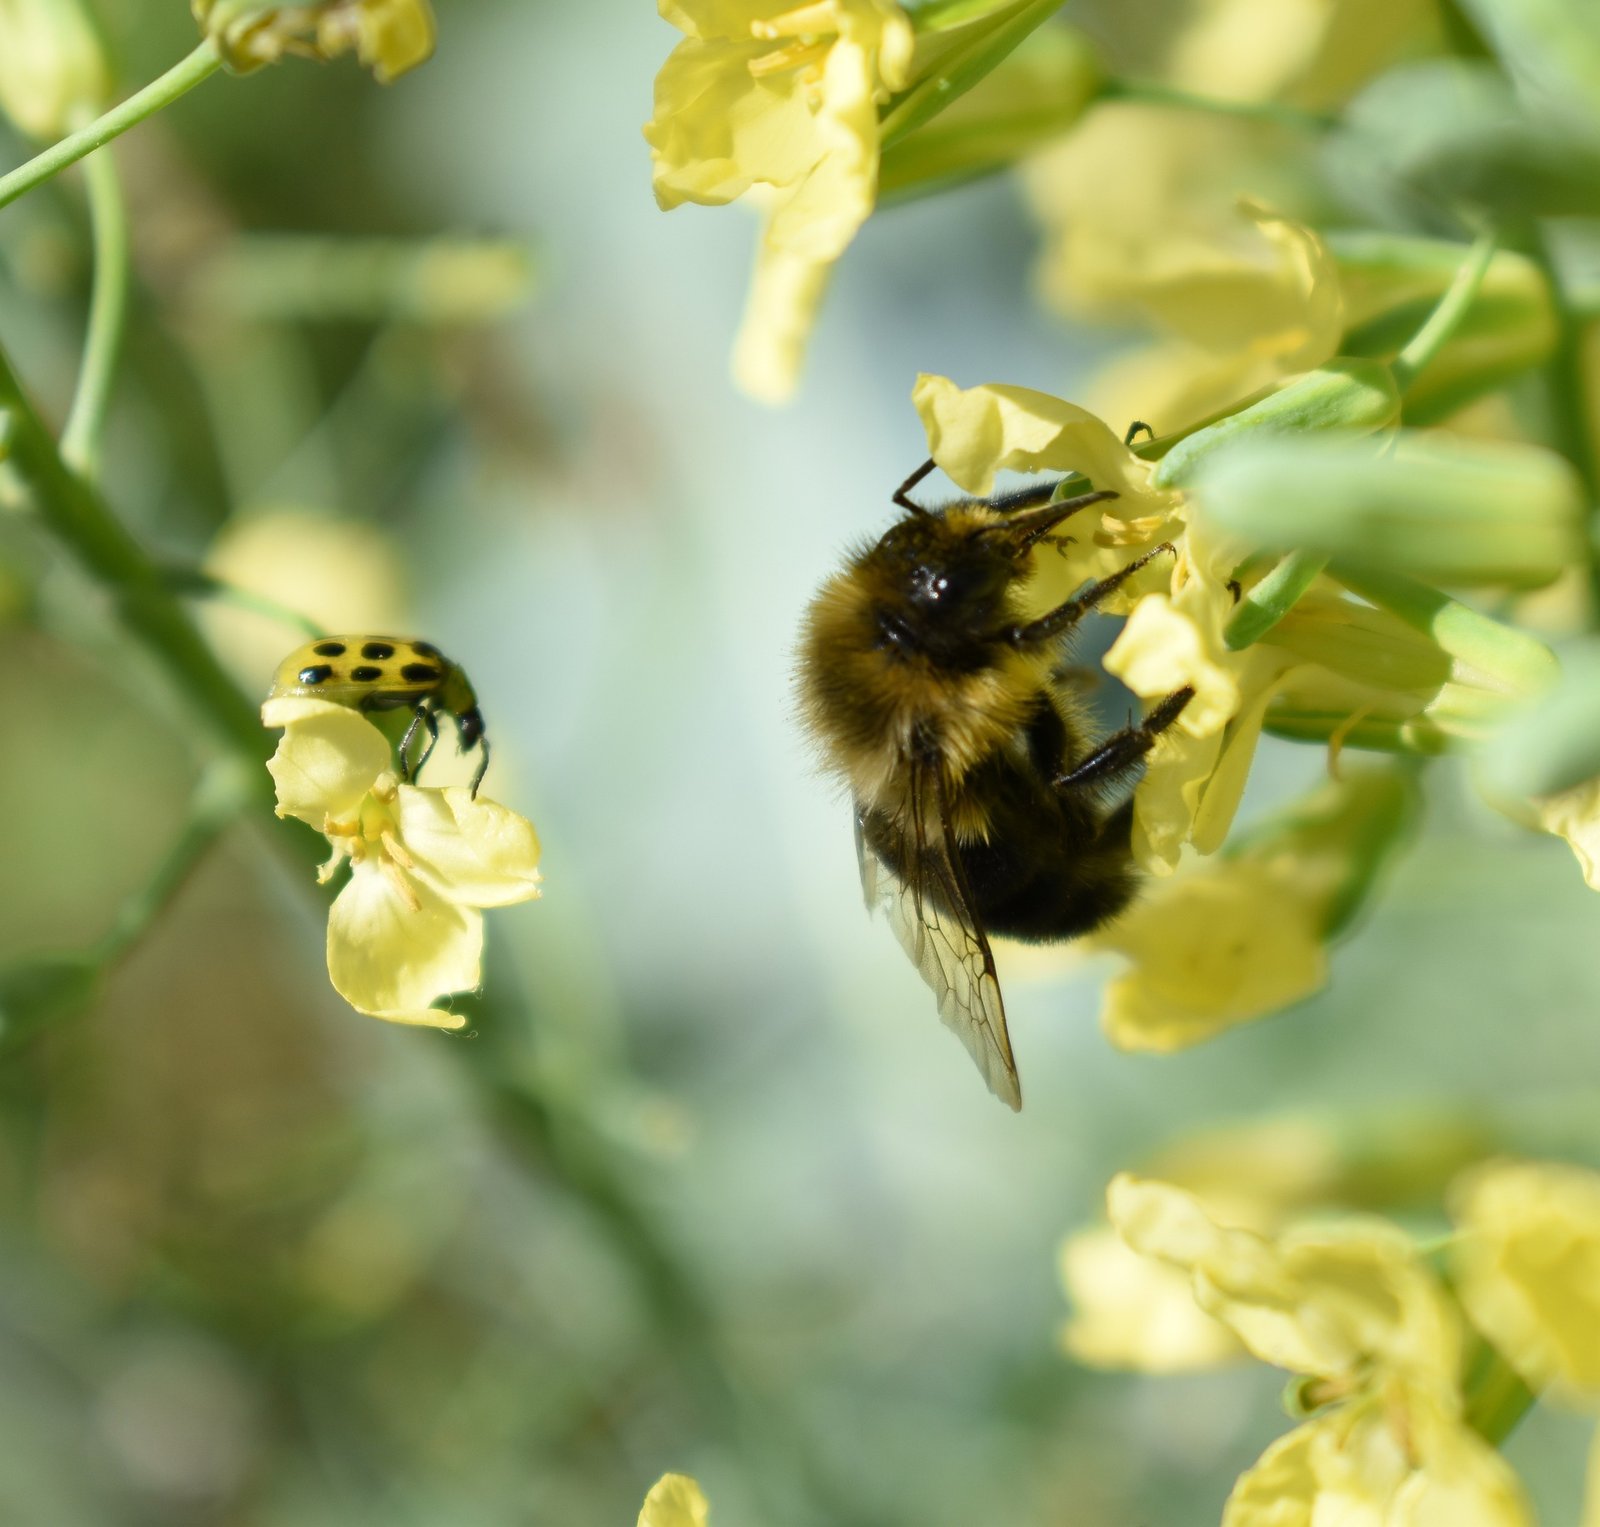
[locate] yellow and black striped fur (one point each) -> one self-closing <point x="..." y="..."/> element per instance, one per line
<point x="978" y="786"/>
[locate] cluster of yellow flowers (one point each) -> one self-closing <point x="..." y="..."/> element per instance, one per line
<point x="388" y="36"/>
<point x="1401" y="1372"/>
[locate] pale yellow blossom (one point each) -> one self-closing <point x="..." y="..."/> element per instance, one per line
<point x="389" y="37"/>
<point x="675" y="1500"/>
<point x="1354" y="1310"/>
<point x="1222" y="944"/>
<point x="406" y="930"/>
<point x="52" y="67"/>
<point x="763" y="96"/>
<point x="1528" y="1268"/>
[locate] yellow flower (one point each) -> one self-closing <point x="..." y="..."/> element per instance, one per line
<point x="1528" y="1268"/>
<point x="52" y="69"/>
<point x="390" y="37"/>
<point x="781" y="101"/>
<point x="406" y="930"/>
<point x="1353" y="1310"/>
<point x="675" y="1500"/>
<point x="1225" y="943"/>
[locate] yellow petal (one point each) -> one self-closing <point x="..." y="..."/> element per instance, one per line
<point x="1343" y="1302"/>
<point x="1168" y="643"/>
<point x="52" y="69"/>
<point x="1130" y="1311"/>
<point x="394" y="36"/>
<point x="1227" y="943"/>
<point x="770" y="349"/>
<point x="1280" y="1490"/>
<point x="1461" y="1480"/>
<point x="976" y="432"/>
<point x="675" y="1500"/>
<point x="1168" y="798"/>
<point x="1528" y="1267"/>
<point x="392" y="955"/>
<point x="1575" y="815"/>
<point x="328" y="759"/>
<point x="474" y="852"/>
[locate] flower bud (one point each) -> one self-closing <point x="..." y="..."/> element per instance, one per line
<point x="52" y="69"/>
<point x="1354" y="395"/>
<point x="389" y="36"/>
<point x="1449" y="511"/>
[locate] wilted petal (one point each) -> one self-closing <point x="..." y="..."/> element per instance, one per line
<point x="1575" y="815"/>
<point x="329" y="758"/>
<point x="392" y="954"/>
<point x="477" y="853"/>
<point x="675" y="1500"/>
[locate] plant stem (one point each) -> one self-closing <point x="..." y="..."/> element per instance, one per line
<point x="108" y="309"/>
<point x="197" y="583"/>
<point x="1446" y="317"/>
<point x="1496" y="1398"/>
<point x="80" y="518"/>
<point x="181" y="78"/>
<point x="1154" y="93"/>
<point x="225" y="790"/>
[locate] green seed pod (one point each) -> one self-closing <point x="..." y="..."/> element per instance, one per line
<point x="1451" y="511"/>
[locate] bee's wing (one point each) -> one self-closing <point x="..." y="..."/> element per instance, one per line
<point x="949" y="947"/>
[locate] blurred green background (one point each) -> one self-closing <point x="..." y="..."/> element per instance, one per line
<point x="712" y="1191"/>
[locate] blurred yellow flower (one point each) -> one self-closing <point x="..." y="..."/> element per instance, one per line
<point x="675" y="1500"/>
<point x="1354" y="1310"/>
<point x="1131" y="1312"/>
<point x="780" y="100"/>
<point x="52" y="68"/>
<point x="1222" y="944"/>
<point x="406" y="930"/>
<point x="390" y="37"/>
<point x="1527" y="1263"/>
<point x="1575" y="815"/>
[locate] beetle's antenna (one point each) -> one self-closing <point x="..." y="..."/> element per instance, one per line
<point x="901" y="494"/>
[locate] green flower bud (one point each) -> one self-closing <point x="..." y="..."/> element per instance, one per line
<point x="1452" y="511"/>
<point x="1352" y="395"/>
<point x="52" y="69"/>
<point x="1032" y="97"/>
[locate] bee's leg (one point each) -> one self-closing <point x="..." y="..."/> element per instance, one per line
<point x="1134" y="430"/>
<point x="1065" y="616"/>
<point x="901" y="494"/>
<point x="1123" y="751"/>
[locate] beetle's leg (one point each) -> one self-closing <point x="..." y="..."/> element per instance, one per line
<point x="1123" y="751"/>
<point x="421" y="715"/>
<point x="1134" y="430"/>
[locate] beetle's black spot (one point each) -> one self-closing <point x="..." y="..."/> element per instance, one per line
<point x="366" y="675"/>
<point x="419" y="673"/>
<point x="319" y="673"/>
<point x="329" y="649"/>
<point x="427" y="649"/>
<point x="378" y="650"/>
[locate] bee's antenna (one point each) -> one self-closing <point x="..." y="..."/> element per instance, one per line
<point x="901" y="493"/>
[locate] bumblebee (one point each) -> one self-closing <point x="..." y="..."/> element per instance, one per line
<point x="372" y="673"/>
<point x="980" y="791"/>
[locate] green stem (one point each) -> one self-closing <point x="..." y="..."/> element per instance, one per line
<point x="225" y="790"/>
<point x="199" y="584"/>
<point x="181" y="78"/>
<point x="108" y="310"/>
<point x="1494" y="1395"/>
<point x="1279" y="113"/>
<point x="80" y="518"/>
<point x="1272" y="598"/>
<point x="1447" y="314"/>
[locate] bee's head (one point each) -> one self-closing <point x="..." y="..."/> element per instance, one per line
<point x="956" y="564"/>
